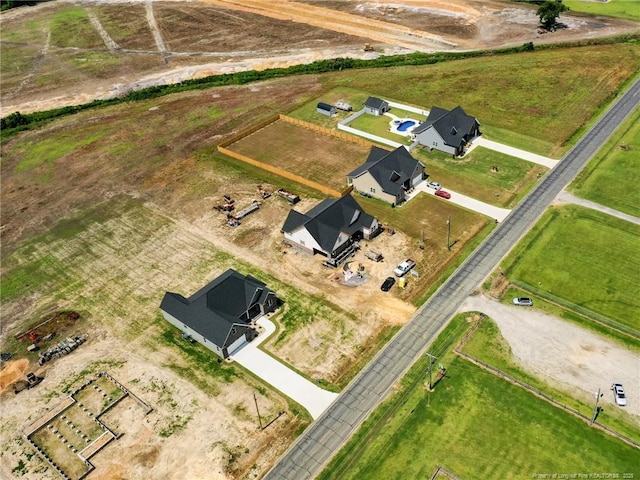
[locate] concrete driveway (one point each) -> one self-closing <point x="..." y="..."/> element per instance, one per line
<point x="293" y="385"/>
<point x="464" y="201"/>
<point x="513" y="152"/>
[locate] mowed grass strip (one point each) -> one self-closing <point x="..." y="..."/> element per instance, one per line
<point x="550" y="262"/>
<point x="613" y="176"/>
<point x="477" y="426"/>
<point x="321" y="158"/>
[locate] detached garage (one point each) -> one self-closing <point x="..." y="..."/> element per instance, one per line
<point x="326" y="109"/>
<point x="220" y="316"/>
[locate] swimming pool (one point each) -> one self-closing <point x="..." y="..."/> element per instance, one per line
<point x="404" y="126"/>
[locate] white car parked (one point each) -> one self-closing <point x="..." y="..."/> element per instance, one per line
<point x="434" y="185"/>
<point x="618" y="393"/>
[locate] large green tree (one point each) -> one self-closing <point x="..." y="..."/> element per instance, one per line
<point x="549" y="12"/>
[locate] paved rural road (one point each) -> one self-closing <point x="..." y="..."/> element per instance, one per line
<point x="317" y="445"/>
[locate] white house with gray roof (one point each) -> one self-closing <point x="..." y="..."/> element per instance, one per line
<point x="330" y="228"/>
<point x="220" y="316"/>
<point x="387" y="175"/>
<point x="447" y="130"/>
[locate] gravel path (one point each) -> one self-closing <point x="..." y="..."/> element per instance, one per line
<point x="563" y="354"/>
<point x="566" y="197"/>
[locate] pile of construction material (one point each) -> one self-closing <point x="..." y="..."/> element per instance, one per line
<point x="61" y="348"/>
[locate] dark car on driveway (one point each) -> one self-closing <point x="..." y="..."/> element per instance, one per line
<point x="443" y="194"/>
<point x="387" y="284"/>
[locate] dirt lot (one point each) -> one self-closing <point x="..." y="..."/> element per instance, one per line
<point x="135" y="43"/>
<point x="568" y="357"/>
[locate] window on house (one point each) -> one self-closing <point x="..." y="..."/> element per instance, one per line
<point x="373" y="190"/>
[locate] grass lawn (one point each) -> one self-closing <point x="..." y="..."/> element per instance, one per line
<point x="473" y="175"/>
<point x="613" y="8"/>
<point x="613" y="176"/>
<point x="550" y="262"/>
<point x="379" y="125"/>
<point x="476" y="425"/>
<point x="513" y="92"/>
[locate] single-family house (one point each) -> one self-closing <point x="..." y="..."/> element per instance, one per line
<point x="326" y="109"/>
<point x="220" y="315"/>
<point x="331" y="228"/>
<point x="447" y="130"/>
<point x="387" y="175"/>
<point x="376" y="106"/>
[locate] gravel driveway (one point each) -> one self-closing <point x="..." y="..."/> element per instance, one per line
<point x="565" y="355"/>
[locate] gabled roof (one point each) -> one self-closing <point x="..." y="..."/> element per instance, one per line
<point x="374" y="102"/>
<point x="390" y="169"/>
<point x="328" y="219"/>
<point x="325" y="106"/>
<point x="216" y="308"/>
<point x="452" y="125"/>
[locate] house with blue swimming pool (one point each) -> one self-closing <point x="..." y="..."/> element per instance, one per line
<point x="387" y="175"/>
<point x="448" y="131"/>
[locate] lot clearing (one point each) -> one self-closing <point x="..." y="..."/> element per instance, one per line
<point x="67" y="53"/>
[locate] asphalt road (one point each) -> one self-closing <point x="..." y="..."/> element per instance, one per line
<point x="316" y="446"/>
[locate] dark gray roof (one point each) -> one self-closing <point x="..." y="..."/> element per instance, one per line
<point x="328" y="219"/>
<point x="325" y="106"/>
<point x="214" y="309"/>
<point x="390" y="169"/>
<point x="452" y="125"/>
<point x="374" y="102"/>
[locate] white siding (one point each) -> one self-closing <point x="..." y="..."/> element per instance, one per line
<point x="192" y="333"/>
<point x="303" y="238"/>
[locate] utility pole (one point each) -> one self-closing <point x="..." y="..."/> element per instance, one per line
<point x="431" y="360"/>
<point x="449" y="233"/>
<point x="595" y="410"/>
<point x="257" y="409"/>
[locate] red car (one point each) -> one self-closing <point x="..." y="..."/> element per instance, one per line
<point x="443" y="194"/>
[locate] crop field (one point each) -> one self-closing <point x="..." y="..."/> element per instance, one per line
<point x="554" y="266"/>
<point x="476" y="425"/>
<point x="321" y="158"/>
<point x="474" y="175"/>
<point x="613" y="176"/>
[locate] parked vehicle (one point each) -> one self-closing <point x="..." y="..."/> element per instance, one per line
<point x="434" y="185"/>
<point x="443" y="194"/>
<point x="523" y="301"/>
<point x="402" y="269"/>
<point x="387" y="284"/>
<point x="618" y="394"/>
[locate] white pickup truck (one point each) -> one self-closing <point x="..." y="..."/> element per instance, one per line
<point x="402" y="269"/>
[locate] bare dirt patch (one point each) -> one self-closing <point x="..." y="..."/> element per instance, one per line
<point x="571" y="358"/>
<point x="224" y="36"/>
<point x="12" y="372"/>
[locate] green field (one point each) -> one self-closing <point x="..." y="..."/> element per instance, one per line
<point x="584" y="260"/>
<point x="613" y="8"/>
<point x="514" y="92"/>
<point x="473" y="174"/>
<point x="612" y="178"/>
<point x="476" y="425"/>
<point x="488" y="345"/>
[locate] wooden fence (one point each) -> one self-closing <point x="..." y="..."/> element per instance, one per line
<point x="283" y="173"/>
<point x="248" y="131"/>
<point x="327" y="131"/>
